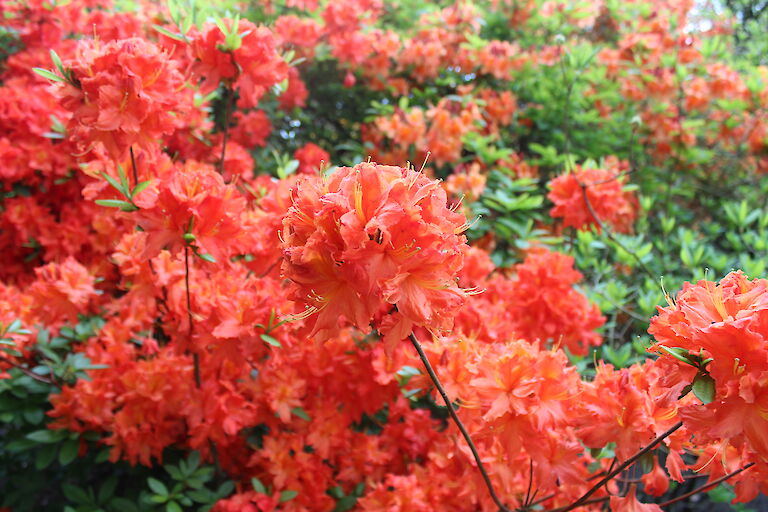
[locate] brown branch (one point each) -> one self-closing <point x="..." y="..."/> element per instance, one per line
<point x="135" y="170"/>
<point x="608" y="233"/>
<point x="706" y="486"/>
<point x="228" y="98"/>
<point x="455" y="417"/>
<point x="195" y="355"/>
<point x="621" y="467"/>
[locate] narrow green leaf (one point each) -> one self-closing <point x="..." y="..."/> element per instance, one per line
<point x="287" y="496"/>
<point x="258" y="486"/>
<point x="75" y="494"/>
<point x="48" y="74"/>
<point x="45" y="456"/>
<point x="114" y="203"/>
<point x="301" y="413"/>
<point x="678" y="353"/>
<point x="166" y="32"/>
<point x="207" y="257"/>
<point x="57" y="62"/>
<point x="46" y="436"/>
<point x="272" y="341"/>
<point x="123" y="180"/>
<point x="115" y="184"/>
<point x="140" y="187"/>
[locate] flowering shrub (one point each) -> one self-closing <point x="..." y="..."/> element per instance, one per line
<point x="244" y="244"/>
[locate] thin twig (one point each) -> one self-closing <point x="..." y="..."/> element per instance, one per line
<point x="621" y="467"/>
<point x="541" y="500"/>
<point x="228" y="96"/>
<point x="588" y="502"/>
<point x="195" y="356"/>
<point x="530" y="484"/>
<point x="609" y="234"/>
<point x="30" y="373"/>
<point x="706" y="486"/>
<point x="455" y="417"/>
<point x="135" y="170"/>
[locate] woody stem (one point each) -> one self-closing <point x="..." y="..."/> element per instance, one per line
<point x="195" y="356"/>
<point x="621" y="467"/>
<point x="135" y="170"/>
<point x="455" y="417"/>
<point x="707" y="486"/>
<point x="228" y="94"/>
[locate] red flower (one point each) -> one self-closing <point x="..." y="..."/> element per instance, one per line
<point x="607" y="199"/>
<point x="311" y="157"/>
<point x="545" y="306"/>
<point x="192" y="199"/>
<point x="373" y="237"/>
<point x="726" y="323"/>
<point x="123" y="93"/>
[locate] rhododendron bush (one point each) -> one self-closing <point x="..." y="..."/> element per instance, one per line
<point x="381" y="256"/>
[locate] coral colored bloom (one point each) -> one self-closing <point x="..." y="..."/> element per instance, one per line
<point x="726" y="322"/>
<point x="311" y="157"/>
<point x="607" y="200"/>
<point x="545" y="306"/>
<point x="62" y="290"/>
<point x="124" y="92"/>
<point x="370" y="237"/>
<point x="192" y="199"/>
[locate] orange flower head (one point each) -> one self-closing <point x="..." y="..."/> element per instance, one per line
<point x="371" y="239"/>
<point x="607" y="200"/>
<point x="725" y="325"/>
<point x="124" y="92"/>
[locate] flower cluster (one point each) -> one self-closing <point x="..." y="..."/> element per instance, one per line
<point x="593" y="197"/>
<point x="373" y="238"/>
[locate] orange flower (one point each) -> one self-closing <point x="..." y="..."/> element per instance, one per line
<point x="607" y="199"/>
<point x="374" y="236"/>
<point x="124" y="92"/>
<point x="192" y="199"/>
<point x="725" y="324"/>
<point x="62" y="291"/>
<point x="311" y="157"/>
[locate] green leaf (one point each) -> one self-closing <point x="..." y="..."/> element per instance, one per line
<point x="140" y="187"/>
<point x="166" y="32"/>
<point x="704" y="388"/>
<point x="172" y="506"/>
<point x="75" y="494"/>
<point x="48" y="74"/>
<point x="46" y="436"/>
<point x="258" y="486"/>
<point x="345" y="503"/>
<point x="116" y="203"/>
<point x="272" y="341"/>
<point x="678" y="353"/>
<point x="288" y="495"/>
<point x="123" y="179"/>
<point x="57" y="62"/>
<point x="45" y="456"/>
<point x="157" y="486"/>
<point x="107" y="490"/>
<point x="68" y="452"/>
<point x="206" y="257"/>
<point x="115" y="184"/>
<point x="301" y="413"/>
<point x="193" y="461"/>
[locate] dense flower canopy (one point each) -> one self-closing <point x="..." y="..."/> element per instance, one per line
<point x="215" y="242"/>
